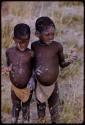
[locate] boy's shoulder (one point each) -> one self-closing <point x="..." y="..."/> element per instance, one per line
<point x="38" y="42"/>
<point x="34" y="44"/>
<point x="29" y="51"/>
<point x="11" y="49"/>
<point x="58" y="43"/>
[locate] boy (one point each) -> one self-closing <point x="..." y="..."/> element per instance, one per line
<point x="19" y="61"/>
<point x="48" y="56"/>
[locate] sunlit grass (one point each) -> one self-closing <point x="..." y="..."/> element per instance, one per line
<point x="71" y="70"/>
<point x="70" y="3"/>
<point x="72" y="110"/>
<point x="6" y="36"/>
<point x="6" y="107"/>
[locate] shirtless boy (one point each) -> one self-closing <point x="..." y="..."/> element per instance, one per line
<point x="48" y="56"/>
<point x="19" y="61"/>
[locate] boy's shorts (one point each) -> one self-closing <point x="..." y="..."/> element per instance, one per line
<point x="43" y="92"/>
<point x="22" y="94"/>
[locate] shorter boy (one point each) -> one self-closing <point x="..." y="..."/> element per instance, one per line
<point x="19" y="61"/>
<point x="48" y="56"/>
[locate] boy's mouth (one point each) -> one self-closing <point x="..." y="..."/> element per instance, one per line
<point x="21" y="49"/>
<point x="49" y="42"/>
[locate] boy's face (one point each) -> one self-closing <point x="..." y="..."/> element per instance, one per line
<point x="22" y="42"/>
<point x="47" y="35"/>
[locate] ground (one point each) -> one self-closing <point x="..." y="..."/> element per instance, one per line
<point x="69" y="22"/>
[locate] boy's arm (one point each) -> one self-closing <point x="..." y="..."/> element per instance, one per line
<point x="33" y="54"/>
<point x="32" y="48"/>
<point x="9" y="66"/>
<point x="6" y="69"/>
<point x="62" y="61"/>
<point x="7" y="60"/>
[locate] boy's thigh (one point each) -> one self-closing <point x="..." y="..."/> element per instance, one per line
<point x="27" y="103"/>
<point x="54" y="98"/>
<point x="53" y="103"/>
<point x="14" y="97"/>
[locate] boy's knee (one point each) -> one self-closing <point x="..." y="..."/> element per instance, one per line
<point x="25" y="113"/>
<point x="41" y="107"/>
<point x="17" y="105"/>
<point x="54" y="111"/>
<point x="16" y="109"/>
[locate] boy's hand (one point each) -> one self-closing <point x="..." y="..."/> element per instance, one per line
<point x="73" y="55"/>
<point x="7" y="69"/>
<point x="10" y="68"/>
<point x="32" y="54"/>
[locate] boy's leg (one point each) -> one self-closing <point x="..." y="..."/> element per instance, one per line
<point x="41" y="107"/>
<point x="16" y="107"/>
<point x="26" y="109"/>
<point x="53" y="103"/>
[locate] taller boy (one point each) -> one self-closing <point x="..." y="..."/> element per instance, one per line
<point x="48" y="56"/>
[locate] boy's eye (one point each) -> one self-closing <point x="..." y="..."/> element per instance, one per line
<point x="27" y="40"/>
<point x="46" y="34"/>
<point x="19" y="41"/>
<point x="52" y="34"/>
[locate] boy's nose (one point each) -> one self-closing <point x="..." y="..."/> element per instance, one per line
<point x="51" y="38"/>
<point x="23" y="45"/>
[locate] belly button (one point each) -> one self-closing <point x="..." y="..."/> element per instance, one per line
<point x="12" y="72"/>
<point x="13" y="75"/>
<point x="46" y="69"/>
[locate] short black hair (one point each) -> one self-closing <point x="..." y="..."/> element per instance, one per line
<point x="42" y="23"/>
<point x="21" y="29"/>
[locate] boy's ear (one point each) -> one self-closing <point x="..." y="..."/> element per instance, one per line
<point x="37" y="34"/>
<point x="13" y="38"/>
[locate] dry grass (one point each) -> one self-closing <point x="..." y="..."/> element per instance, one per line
<point x="68" y="18"/>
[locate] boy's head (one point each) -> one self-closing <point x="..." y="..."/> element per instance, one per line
<point x="45" y="29"/>
<point x="21" y="36"/>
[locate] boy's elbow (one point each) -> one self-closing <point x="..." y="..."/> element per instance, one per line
<point x="64" y="64"/>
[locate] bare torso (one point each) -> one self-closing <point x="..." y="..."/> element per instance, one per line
<point x="21" y="66"/>
<point x="46" y="62"/>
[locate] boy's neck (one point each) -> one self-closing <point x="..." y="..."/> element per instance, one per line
<point x="42" y="42"/>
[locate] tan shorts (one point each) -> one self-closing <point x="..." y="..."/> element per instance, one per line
<point x="43" y="92"/>
<point x="22" y="94"/>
